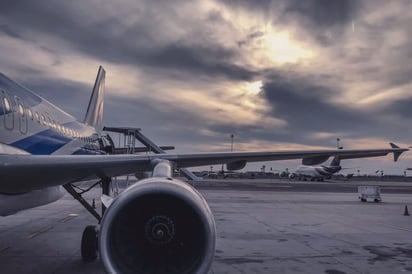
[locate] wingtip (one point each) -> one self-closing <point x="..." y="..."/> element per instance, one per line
<point x="393" y="145"/>
<point x="396" y="154"/>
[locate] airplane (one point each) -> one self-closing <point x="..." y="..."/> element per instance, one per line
<point x="157" y="225"/>
<point x="317" y="173"/>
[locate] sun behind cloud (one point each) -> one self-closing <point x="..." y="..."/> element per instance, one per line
<point x="280" y="48"/>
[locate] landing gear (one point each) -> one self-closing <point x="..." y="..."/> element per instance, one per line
<point x="89" y="247"/>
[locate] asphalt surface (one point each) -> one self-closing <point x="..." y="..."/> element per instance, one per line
<point x="286" y="185"/>
<point x="263" y="226"/>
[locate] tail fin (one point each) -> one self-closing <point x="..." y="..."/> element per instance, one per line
<point x="335" y="161"/>
<point x="94" y="114"/>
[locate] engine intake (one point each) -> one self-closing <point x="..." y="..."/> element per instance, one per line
<point x="158" y="226"/>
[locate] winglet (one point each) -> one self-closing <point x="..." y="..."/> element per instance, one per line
<point x="94" y="114"/>
<point x="396" y="154"/>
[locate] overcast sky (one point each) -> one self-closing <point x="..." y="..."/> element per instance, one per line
<point x="284" y="74"/>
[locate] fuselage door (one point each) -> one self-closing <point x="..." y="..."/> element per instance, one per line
<point x="21" y="113"/>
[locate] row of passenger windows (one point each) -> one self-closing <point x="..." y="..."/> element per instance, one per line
<point x="45" y="120"/>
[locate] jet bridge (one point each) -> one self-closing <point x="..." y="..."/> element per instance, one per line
<point x="132" y="134"/>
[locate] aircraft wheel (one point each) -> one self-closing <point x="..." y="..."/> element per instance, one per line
<point x="89" y="248"/>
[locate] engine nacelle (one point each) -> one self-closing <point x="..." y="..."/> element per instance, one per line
<point x="236" y="165"/>
<point x="310" y="161"/>
<point x="158" y="225"/>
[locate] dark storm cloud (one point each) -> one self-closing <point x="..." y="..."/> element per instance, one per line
<point x="323" y="21"/>
<point x="401" y="108"/>
<point x="209" y="61"/>
<point x="319" y="12"/>
<point x="304" y="102"/>
<point x="398" y="59"/>
<point x="109" y="39"/>
<point x="9" y="31"/>
<point x="259" y="5"/>
<point x="70" y="96"/>
<point x="323" y="13"/>
<point x="308" y="109"/>
<point x="250" y="37"/>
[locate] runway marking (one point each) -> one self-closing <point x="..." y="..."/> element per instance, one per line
<point x="35" y="234"/>
<point x="4" y="249"/>
<point x="69" y="217"/>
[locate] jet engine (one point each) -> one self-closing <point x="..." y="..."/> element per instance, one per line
<point x="158" y="225"/>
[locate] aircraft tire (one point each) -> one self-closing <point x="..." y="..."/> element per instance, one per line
<point x="89" y="248"/>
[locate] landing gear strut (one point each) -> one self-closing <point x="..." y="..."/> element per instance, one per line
<point x="89" y="244"/>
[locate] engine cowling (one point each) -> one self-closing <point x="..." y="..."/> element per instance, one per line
<point x="236" y="165"/>
<point x="310" y="161"/>
<point x="158" y="225"/>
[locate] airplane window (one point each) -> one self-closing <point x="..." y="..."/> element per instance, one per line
<point x="43" y="120"/>
<point x="48" y="121"/>
<point x="29" y="113"/>
<point x="37" y="116"/>
<point x="6" y="104"/>
<point x="21" y="110"/>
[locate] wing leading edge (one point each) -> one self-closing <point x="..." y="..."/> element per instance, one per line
<point x="20" y="173"/>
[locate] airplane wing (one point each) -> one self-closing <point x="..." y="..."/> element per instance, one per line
<point x="20" y="173"/>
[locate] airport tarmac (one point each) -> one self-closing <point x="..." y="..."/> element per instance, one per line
<point x="263" y="226"/>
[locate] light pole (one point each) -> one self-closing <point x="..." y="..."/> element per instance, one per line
<point x="231" y="142"/>
<point x="337" y="142"/>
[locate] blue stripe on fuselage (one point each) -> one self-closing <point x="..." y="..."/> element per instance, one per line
<point x="42" y="143"/>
